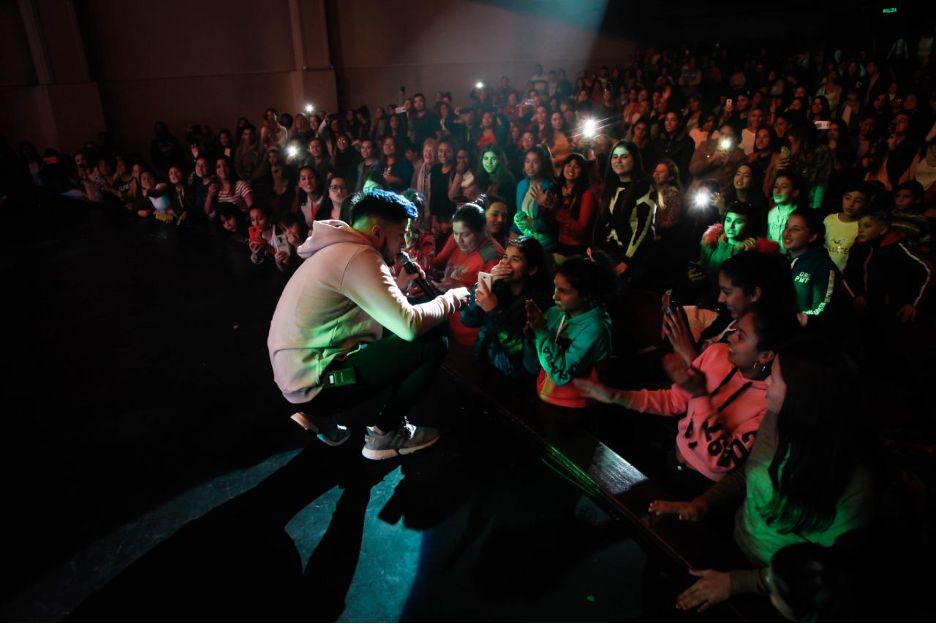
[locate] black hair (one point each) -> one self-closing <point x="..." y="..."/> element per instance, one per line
<point x="745" y="209"/>
<point x="914" y="187"/>
<point x="798" y="183"/>
<point x="580" y="187"/>
<point x="546" y="162"/>
<point x="592" y="276"/>
<point x="382" y="205"/>
<point x="232" y="173"/>
<point x="501" y="175"/>
<point x="612" y="181"/>
<point x="750" y="270"/>
<point x="814" y="223"/>
<point x="471" y="215"/>
<point x="774" y="328"/>
<point x="319" y="184"/>
<point x="820" y="436"/>
<point x="289" y="219"/>
<point x="227" y="210"/>
<point x="815" y="582"/>
<point x="417" y="199"/>
<point x="856" y="183"/>
<point x="535" y="256"/>
<point x="879" y="214"/>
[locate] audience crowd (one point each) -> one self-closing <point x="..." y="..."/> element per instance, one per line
<point x="780" y="210"/>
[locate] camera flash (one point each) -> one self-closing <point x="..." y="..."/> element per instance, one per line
<point x="479" y="85"/>
<point x="701" y="199"/>
<point x="292" y="151"/>
<point x="725" y="144"/>
<point x="309" y="108"/>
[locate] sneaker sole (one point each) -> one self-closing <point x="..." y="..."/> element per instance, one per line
<point x="391" y="453"/>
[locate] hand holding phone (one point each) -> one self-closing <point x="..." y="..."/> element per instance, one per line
<point x="485" y="278"/>
<point x="256" y="234"/>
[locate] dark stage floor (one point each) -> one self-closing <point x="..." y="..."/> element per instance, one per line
<point x="152" y="472"/>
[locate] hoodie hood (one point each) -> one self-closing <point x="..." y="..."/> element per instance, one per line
<point x="891" y="238"/>
<point x="327" y="233"/>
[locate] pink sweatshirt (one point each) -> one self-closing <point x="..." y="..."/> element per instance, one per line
<point x="713" y="437"/>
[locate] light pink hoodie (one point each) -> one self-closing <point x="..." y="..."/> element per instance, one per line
<point x="340" y="297"/>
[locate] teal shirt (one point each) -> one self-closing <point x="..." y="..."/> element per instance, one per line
<point x="583" y="341"/>
<point x="528" y="220"/>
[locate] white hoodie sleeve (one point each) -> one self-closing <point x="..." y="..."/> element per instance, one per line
<point x="367" y="281"/>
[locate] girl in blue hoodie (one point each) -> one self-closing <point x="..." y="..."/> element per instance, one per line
<point x="573" y="338"/>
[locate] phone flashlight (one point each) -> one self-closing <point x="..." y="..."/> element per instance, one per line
<point x="701" y="199"/>
<point x="309" y="108"/>
<point x="292" y="151"/>
<point x="479" y="85"/>
<point x="725" y="144"/>
<point x="589" y="128"/>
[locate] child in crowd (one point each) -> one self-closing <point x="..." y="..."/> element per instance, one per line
<point x="573" y="338"/>
<point x="886" y="279"/>
<point x="498" y="308"/>
<point x="233" y="222"/>
<point x="788" y="492"/>
<point x="160" y="200"/>
<point x="295" y="231"/>
<point x="722" y="395"/>
<point x="723" y="240"/>
<point x="841" y="228"/>
<point x="760" y="276"/>
<point x="911" y="218"/>
<point x="180" y="194"/>
<point x="787" y="190"/>
<point x="816" y="279"/>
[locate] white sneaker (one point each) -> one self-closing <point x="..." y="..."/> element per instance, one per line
<point x="403" y="441"/>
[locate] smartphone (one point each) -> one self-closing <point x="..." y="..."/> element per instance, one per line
<point x="399" y="110"/>
<point x="340" y="377"/>
<point x="485" y="278"/>
<point x="280" y="242"/>
<point x="672" y="304"/>
<point x="256" y="234"/>
<point x="822" y="125"/>
<point x="528" y="102"/>
<point x="729" y="103"/>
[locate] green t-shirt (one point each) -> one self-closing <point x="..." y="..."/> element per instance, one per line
<point x="759" y="540"/>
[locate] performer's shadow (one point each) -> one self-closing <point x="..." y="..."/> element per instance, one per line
<point x="238" y="563"/>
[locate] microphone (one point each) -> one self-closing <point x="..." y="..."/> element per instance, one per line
<point x="410" y="267"/>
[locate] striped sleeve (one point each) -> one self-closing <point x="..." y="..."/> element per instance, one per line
<point x="823" y="290"/>
<point x="926" y="271"/>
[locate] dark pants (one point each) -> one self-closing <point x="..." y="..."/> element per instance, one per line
<point x="408" y="368"/>
<point x="687" y="482"/>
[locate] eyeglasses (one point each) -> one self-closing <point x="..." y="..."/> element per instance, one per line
<point x="338" y="188"/>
